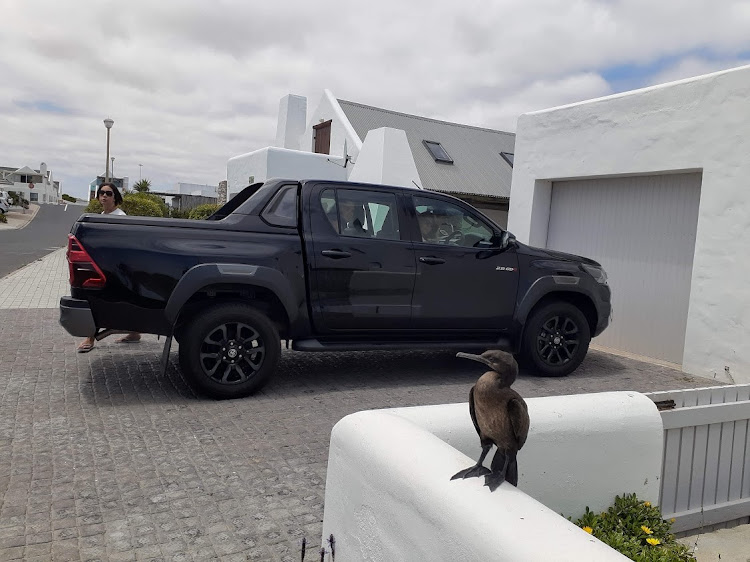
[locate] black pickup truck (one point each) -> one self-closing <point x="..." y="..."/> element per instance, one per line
<point x="329" y="266"/>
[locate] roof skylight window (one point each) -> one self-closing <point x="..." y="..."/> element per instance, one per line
<point x="438" y="152"/>
<point x="508" y="157"/>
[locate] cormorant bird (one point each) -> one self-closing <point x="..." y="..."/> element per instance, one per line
<point x="500" y="417"/>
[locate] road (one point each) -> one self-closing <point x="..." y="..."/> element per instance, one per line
<point x="47" y="232"/>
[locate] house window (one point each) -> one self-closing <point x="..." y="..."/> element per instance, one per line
<point x="438" y="152"/>
<point x="508" y="157"/>
<point x="33" y="196"/>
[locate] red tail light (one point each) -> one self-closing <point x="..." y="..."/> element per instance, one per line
<point x="83" y="270"/>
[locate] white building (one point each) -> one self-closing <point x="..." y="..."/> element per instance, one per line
<point x="344" y="140"/>
<point x="202" y="190"/>
<point x="653" y="184"/>
<point x="36" y="186"/>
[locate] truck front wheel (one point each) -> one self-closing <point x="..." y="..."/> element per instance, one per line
<point x="229" y="351"/>
<point x="556" y="339"/>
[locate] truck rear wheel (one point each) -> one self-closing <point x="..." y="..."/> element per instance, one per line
<point x="229" y="351"/>
<point x="556" y="339"/>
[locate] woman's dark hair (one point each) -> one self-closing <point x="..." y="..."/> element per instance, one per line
<point x="118" y="197"/>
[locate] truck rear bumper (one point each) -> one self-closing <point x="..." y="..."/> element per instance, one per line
<point x="76" y="317"/>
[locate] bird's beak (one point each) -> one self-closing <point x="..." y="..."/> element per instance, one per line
<point x="473" y="357"/>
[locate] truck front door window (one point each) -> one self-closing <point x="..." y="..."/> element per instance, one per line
<point x="441" y="222"/>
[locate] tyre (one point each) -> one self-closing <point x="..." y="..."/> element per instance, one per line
<point x="555" y="340"/>
<point x="229" y="351"/>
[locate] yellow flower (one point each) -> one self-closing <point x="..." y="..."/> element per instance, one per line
<point x="652" y="541"/>
<point x="588" y="529"/>
<point x="647" y="504"/>
<point x="672" y="520"/>
<point x="646" y="530"/>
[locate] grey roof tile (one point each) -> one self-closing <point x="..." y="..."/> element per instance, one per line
<point x="477" y="169"/>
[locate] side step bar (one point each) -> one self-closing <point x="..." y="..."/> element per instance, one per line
<point x="313" y="344"/>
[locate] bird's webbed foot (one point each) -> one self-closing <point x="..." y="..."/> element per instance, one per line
<point x="471" y="472"/>
<point x="493" y="480"/>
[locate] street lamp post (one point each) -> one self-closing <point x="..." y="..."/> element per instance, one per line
<point x="113" y="168"/>
<point x="108" y="123"/>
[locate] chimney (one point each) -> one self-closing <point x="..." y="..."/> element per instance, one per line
<point x="292" y="121"/>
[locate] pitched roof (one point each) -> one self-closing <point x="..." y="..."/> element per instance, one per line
<point x="477" y="169"/>
<point x="26" y="171"/>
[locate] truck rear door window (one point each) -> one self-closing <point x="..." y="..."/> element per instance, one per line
<point x="364" y="214"/>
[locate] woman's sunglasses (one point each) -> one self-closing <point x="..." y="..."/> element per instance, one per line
<point x="107" y="193"/>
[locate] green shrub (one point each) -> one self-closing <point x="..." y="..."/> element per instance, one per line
<point x="637" y="530"/>
<point x="203" y="211"/>
<point x="136" y="204"/>
<point x="93" y="207"/>
<point x="143" y="196"/>
<point x="70" y="198"/>
<point x="3" y="218"/>
<point x="179" y="213"/>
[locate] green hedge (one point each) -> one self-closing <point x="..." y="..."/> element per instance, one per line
<point x="203" y="211"/>
<point x="143" y="196"/>
<point x="150" y="205"/>
<point x="135" y="204"/>
<point x="93" y="207"/>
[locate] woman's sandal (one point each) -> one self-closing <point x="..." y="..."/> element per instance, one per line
<point x="85" y="347"/>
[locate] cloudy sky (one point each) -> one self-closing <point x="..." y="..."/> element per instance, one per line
<point x="191" y="83"/>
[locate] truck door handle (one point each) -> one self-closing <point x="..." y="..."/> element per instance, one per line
<point x="336" y="254"/>
<point x="431" y="261"/>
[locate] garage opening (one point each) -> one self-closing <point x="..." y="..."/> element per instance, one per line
<point x="642" y="230"/>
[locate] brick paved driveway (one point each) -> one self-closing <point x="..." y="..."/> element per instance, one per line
<point x="103" y="458"/>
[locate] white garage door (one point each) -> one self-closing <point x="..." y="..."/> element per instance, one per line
<point x="642" y="230"/>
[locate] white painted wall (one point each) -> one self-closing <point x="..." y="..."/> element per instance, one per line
<point x="272" y="162"/>
<point x="696" y="124"/>
<point x="292" y="120"/>
<point x="389" y="495"/>
<point x="341" y="129"/>
<point x="385" y="158"/>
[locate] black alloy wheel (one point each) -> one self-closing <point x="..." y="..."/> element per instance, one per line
<point x="229" y="350"/>
<point x="232" y="353"/>
<point x="556" y="339"/>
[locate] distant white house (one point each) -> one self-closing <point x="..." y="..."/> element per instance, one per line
<point x="344" y="140"/>
<point x="36" y="186"/>
<point x="653" y="184"/>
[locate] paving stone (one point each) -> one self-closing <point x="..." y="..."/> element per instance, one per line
<point x="103" y="457"/>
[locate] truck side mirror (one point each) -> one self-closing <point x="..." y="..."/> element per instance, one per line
<point x="507" y="239"/>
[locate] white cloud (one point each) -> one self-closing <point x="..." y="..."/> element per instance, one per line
<point x="191" y="83"/>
